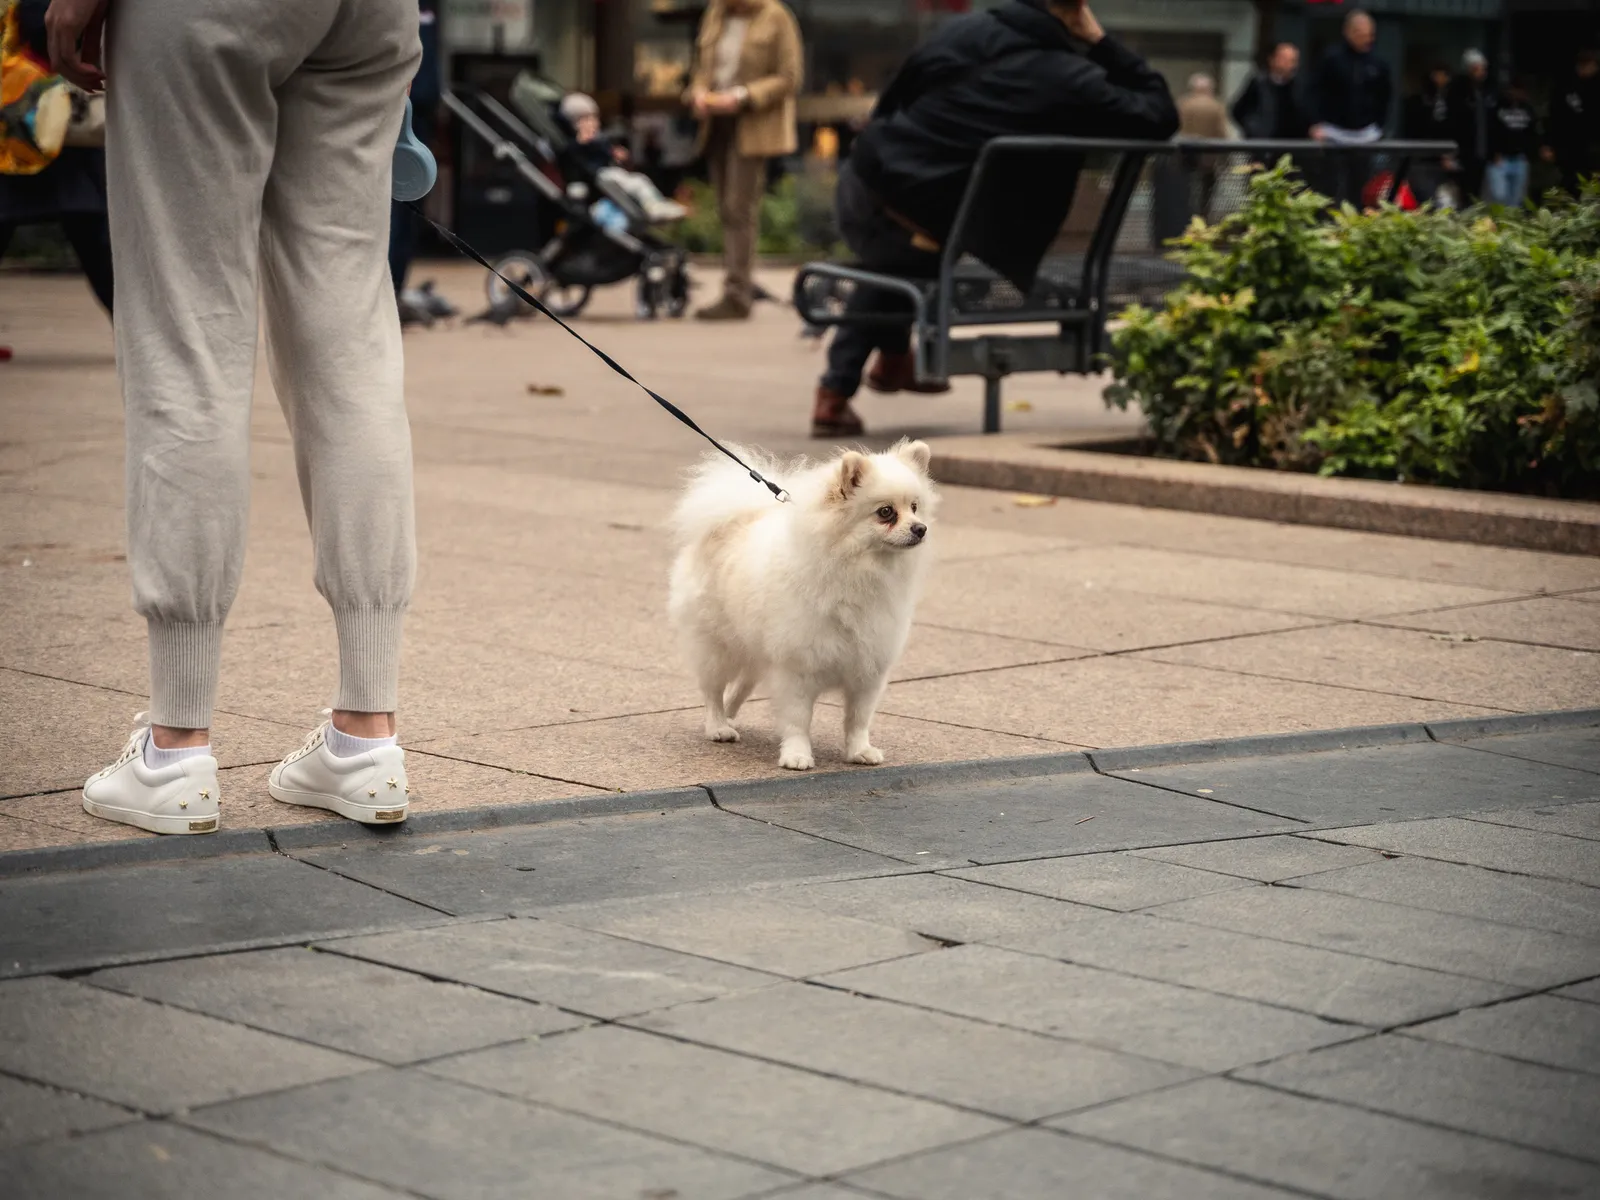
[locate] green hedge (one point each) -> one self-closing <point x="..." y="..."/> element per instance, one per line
<point x="1430" y="347"/>
<point x="796" y="218"/>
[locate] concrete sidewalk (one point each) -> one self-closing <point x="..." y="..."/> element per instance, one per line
<point x="1212" y="972"/>
<point x="538" y="664"/>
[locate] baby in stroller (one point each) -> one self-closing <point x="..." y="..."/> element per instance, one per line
<point x="602" y="159"/>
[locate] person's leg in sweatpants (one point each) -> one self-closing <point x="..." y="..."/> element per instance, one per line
<point x="333" y="339"/>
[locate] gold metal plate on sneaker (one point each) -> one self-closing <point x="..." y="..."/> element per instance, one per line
<point x="389" y="814"/>
<point x="203" y="826"/>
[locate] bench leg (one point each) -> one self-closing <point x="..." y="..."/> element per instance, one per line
<point x="991" y="404"/>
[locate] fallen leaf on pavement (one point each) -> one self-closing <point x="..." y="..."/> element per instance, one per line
<point x="1020" y="406"/>
<point x="1033" y="501"/>
<point x="546" y="389"/>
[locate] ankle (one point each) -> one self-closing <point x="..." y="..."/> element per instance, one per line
<point x="364" y="724"/>
<point x="165" y="737"/>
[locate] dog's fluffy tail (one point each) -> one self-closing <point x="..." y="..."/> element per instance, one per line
<point x="719" y="490"/>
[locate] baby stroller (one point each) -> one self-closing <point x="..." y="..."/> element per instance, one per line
<point x="582" y="255"/>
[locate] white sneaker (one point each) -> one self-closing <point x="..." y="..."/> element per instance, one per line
<point x="182" y="798"/>
<point x="370" y="788"/>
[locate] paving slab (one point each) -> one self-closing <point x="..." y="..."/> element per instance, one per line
<point x="1342" y="987"/>
<point x="772" y="1114"/>
<point x="1140" y="698"/>
<point x="937" y="906"/>
<point x="1005" y="1072"/>
<point x="1540" y="1107"/>
<point x="1139" y="1016"/>
<point x="525" y="869"/>
<point x="1408" y="663"/>
<point x="1378" y="783"/>
<point x="1548" y="904"/>
<point x="757" y="931"/>
<point x="1475" y="843"/>
<point x="1329" y="1149"/>
<point x="1588" y="990"/>
<point x="155" y="1160"/>
<point x="1122" y="882"/>
<point x="1543" y="620"/>
<point x="1040" y="1164"/>
<point x="358" y="1007"/>
<point x="1574" y="820"/>
<point x="1270" y="859"/>
<point x="575" y="969"/>
<point x="32" y="1112"/>
<point x="1575" y="748"/>
<point x="1394" y="933"/>
<point x="428" y="1135"/>
<point x="930" y="825"/>
<point x="1548" y="1029"/>
<point x="144" y="1055"/>
<point x="65" y="920"/>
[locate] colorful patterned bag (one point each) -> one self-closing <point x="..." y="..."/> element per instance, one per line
<point x="35" y="105"/>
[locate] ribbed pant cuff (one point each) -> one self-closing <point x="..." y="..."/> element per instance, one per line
<point x="183" y="673"/>
<point x="369" y="658"/>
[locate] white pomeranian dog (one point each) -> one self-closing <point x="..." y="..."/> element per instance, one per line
<point x="813" y="596"/>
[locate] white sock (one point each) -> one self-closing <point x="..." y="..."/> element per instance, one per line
<point x="344" y="745"/>
<point x="155" y="757"/>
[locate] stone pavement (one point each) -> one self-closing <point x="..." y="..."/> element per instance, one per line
<point x="538" y="664"/>
<point x="1361" y="966"/>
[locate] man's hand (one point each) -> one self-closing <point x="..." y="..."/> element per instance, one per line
<point x="1080" y="22"/>
<point x="73" y="29"/>
<point x="1547" y="153"/>
<point x="697" y="102"/>
<point x="722" y="104"/>
<point x="1319" y="133"/>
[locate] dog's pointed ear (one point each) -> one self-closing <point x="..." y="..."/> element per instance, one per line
<point x="915" y="454"/>
<point x="851" y="470"/>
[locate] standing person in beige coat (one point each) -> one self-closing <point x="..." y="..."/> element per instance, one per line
<point x="748" y="67"/>
<point x="1201" y="115"/>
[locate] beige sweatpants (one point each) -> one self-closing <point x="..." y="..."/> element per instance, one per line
<point x="248" y="151"/>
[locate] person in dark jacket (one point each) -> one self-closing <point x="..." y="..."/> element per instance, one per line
<point x="1574" y="125"/>
<point x="1514" y="141"/>
<point x="1350" y="101"/>
<point x="1428" y="119"/>
<point x="1042" y="67"/>
<point x="1272" y="106"/>
<point x="1472" y="105"/>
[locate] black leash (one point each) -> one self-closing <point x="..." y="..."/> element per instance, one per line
<point x="523" y="295"/>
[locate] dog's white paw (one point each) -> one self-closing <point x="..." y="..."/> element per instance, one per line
<point x="869" y="756"/>
<point x="796" y="760"/>
<point x="726" y="733"/>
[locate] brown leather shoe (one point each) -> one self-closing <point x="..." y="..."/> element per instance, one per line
<point x="833" y="416"/>
<point x="898" y="373"/>
<point x="726" y="309"/>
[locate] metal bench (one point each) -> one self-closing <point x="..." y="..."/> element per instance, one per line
<point x="1110" y="251"/>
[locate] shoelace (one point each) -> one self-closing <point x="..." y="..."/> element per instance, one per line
<point x="313" y="739"/>
<point x="134" y="748"/>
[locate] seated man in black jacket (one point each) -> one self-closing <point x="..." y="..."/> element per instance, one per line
<point x="1039" y="67"/>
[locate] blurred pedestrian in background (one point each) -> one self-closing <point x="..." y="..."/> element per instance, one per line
<point x="1514" y="141"/>
<point x="1574" y="126"/>
<point x="1271" y="106"/>
<point x="52" y="156"/>
<point x="1428" y="118"/>
<point x="1201" y="115"/>
<point x="1472" y="105"/>
<point x="1350" y="102"/>
<point x="748" y="68"/>
<point x="1025" y="67"/>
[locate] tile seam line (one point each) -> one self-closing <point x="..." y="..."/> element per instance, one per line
<point x="1425" y="1122"/>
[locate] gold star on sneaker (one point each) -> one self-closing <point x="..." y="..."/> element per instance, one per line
<point x="205" y="793"/>
<point x="393" y="782"/>
<point x="372" y="791"/>
<point x="183" y="804"/>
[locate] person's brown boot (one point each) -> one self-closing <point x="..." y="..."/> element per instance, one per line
<point x="726" y="309"/>
<point x="898" y="373"/>
<point x="833" y="416"/>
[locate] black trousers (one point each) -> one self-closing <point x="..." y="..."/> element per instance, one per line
<point x="90" y="238"/>
<point x="879" y="244"/>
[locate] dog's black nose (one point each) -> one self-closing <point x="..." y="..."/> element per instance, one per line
<point x="919" y="530"/>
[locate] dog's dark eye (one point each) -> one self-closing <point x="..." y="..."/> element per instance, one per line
<point x="913" y="506"/>
<point x="886" y="513"/>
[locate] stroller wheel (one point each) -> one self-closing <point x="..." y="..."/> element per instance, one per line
<point x="564" y="299"/>
<point x="678" y="294"/>
<point x="526" y="271"/>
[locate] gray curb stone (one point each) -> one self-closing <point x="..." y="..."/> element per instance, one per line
<point x="795" y="787"/>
